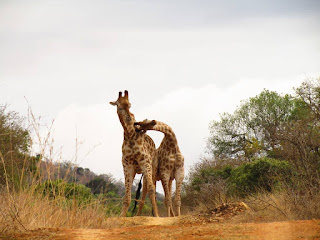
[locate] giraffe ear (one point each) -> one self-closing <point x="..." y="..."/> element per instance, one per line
<point x="113" y="103"/>
<point x="153" y="122"/>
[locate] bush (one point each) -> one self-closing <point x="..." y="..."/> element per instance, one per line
<point x="60" y="188"/>
<point x="206" y="185"/>
<point x="99" y="185"/>
<point x="212" y="183"/>
<point x="264" y="174"/>
<point x="210" y="175"/>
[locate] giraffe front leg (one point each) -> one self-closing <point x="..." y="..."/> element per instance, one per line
<point x="143" y="196"/>
<point x="129" y="176"/>
<point x="150" y="186"/>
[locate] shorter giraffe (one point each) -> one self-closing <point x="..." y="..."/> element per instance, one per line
<point x="170" y="164"/>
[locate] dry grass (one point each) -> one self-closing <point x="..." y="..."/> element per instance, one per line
<point x="26" y="211"/>
<point x="22" y="208"/>
<point x="281" y="206"/>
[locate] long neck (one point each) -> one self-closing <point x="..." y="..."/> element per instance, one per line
<point x="127" y="124"/>
<point x="164" y="128"/>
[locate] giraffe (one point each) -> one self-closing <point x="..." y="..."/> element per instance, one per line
<point x="170" y="164"/>
<point x="138" y="151"/>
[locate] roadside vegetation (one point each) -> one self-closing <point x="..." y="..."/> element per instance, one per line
<point x="42" y="190"/>
<point x="265" y="154"/>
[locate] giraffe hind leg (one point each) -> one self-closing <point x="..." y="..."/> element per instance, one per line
<point x="170" y="192"/>
<point x="143" y="196"/>
<point x="167" y="199"/>
<point x="177" y="199"/>
<point x="147" y="172"/>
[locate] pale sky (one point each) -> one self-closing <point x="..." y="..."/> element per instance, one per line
<point x="183" y="63"/>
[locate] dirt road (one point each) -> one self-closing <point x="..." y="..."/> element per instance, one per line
<point x="185" y="227"/>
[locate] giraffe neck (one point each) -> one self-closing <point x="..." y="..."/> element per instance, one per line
<point x="127" y="124"/>
<point x="164" y="128"/>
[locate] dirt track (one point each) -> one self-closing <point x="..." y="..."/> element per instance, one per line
<point x="186" y="227"/>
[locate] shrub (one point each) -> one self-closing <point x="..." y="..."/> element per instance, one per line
<point x="264" y="174"/>
<point x="60" y="188"/>
<point x="210" y="175"/>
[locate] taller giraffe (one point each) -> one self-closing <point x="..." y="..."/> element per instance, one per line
<point x="138" y="152"/>
<point x="170" y="164"/>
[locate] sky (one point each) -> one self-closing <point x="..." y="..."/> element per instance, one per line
<point x="183" y="63"/>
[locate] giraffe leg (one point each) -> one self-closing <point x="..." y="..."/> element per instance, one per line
<point x="129" y="176"/>
<point x="170" y="192"/>
<point x="167" y="196"/>
<point x="143" y="196"/>
<point x="177" y="199"/>
<point x="147" y="171"/>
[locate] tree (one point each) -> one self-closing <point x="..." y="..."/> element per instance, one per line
<point x="275" y="126"/>
<point x="300" y="138"/>
<point x="250" y="131"/>
<point x="309" y="93"/>
<point x="14" y="137"/>
<point x="15" y="142"/>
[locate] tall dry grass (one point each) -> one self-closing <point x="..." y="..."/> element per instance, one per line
<point x="281" y="206"/>
<point x="25" y="211"/>
<point x="23" y="208"/>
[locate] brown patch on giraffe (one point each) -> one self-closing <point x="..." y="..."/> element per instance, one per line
<point x="128" y="151"/>
<point x="131" y="144"/>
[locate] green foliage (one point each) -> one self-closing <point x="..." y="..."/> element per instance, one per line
<point x="309" y="94"/>
<point x="249" y="132"/>
<point x="14" y="137"/>
<point x="273" y="125"/>
<point x="270" y="143"/>
<point x="60" y="188"/>
<point x="209" y="176"/>
<point x="263" y="174"/>
<point x="100" y="185"/>
<point x="15" y="142"/>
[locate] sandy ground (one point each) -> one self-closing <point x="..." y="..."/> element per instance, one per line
<point x="185" y="227"/>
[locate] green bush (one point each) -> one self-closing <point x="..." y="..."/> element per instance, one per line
<point x="264" y="174"/>
<point x="210" y="175"/>
<point x="99" y="185"/>
<point x="211" y="183"/>
<point x="60" y="188"/>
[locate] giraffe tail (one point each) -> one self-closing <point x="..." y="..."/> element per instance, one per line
<point x="138" y="192"/>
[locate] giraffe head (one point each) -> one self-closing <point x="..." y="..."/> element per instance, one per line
<point x="144" y="125"/>
<point x="123" y="105"/>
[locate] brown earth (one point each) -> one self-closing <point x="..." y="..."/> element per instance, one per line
<point x="184" y="227"/>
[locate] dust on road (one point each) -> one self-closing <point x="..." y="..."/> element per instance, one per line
<point x="184" y="227"/>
